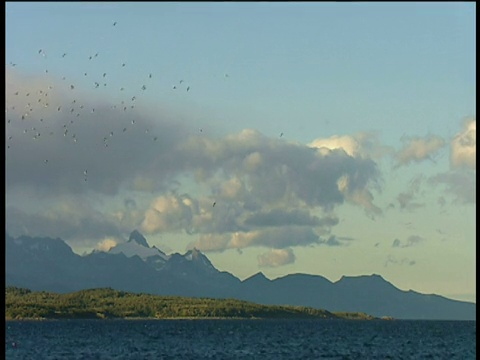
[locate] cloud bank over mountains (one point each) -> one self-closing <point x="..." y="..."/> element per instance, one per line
<point x="98" y="169"/>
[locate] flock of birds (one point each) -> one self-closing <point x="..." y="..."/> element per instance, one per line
<point x="32" y="108"/>
<point x="35" y="122"/>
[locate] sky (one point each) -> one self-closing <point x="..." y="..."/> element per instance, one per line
<point x="329" y="138"/>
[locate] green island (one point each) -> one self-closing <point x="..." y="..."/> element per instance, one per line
<point x="107" y="303"/>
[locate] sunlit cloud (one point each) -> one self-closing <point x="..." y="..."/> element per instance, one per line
<point x="276" y="258"/>
<point x="170" y="213"/>
<point x="464" y="146"/>
<point x="417" y="149"/>
<point x="363" y="144"/>
<point x="106" y="244"/>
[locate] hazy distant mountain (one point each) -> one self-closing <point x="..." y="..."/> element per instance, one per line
<point x="51" y="265"/>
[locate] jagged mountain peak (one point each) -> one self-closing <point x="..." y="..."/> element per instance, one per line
<point x="137" y="237"/>
<point x="137" y="245"/>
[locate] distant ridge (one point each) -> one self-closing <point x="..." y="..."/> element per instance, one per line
<point x="45" y="264"/>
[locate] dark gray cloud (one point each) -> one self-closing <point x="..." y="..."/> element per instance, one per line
<point x="51" y="148"/>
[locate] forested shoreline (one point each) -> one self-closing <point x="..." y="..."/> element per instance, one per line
<point x="107" y="303"/>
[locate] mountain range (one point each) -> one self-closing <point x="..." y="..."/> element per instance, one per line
<point x="47" y="264"/>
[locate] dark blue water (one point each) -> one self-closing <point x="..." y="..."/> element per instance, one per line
<point x="239" y="339"/>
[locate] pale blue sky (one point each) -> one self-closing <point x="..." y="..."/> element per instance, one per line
<point x="393" y="84"/>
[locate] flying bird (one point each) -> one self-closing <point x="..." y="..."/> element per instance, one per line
<point x="214" y="204"/>
<point x="114" y="23"/>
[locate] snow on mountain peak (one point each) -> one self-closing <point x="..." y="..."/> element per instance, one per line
<point x="137" y="245"/>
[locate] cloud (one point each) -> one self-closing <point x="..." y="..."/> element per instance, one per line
<point x="87" y="149"/>
<point x="276" y="257"/>
<point x="170" y="213"/>
<point x="464" y="146"/>
<point x="52" y="147"/>
<point x="334" y="241"/>
<point x="417" y="149"/>
<point x="278" y="238"/>
<point x="68" y="219"/>
<point x="411" y="241"/>
<point x="106" y="244"/>
<point x="363" y="144"/>
<point x="406" y="199"/>
<point x="281" y="217"/>
<point x="461" y="183"/>
<point x="391" y="260"/>
<point x="275" y="171"/>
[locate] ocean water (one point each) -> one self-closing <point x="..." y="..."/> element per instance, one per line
<point x="239" y="339"/>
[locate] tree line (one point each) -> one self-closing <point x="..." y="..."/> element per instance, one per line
<point x="107" y="303"/>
